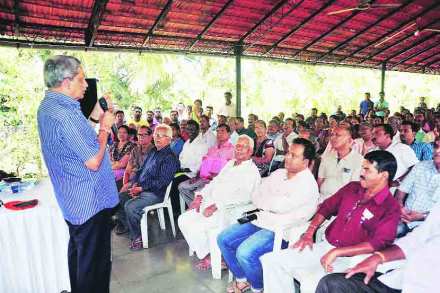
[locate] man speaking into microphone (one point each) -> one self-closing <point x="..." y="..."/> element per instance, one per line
<point x="80" y="170"/>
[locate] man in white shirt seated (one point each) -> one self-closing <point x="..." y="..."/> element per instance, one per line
<point x="221" y="201"/>
<point x="419" y="273"/>
<point x="405" y="156"/>
<point x="207" y="134"/>
<point x="340" y="166"/>
<point x="283" y="141"/>
<point x="287" y="197"/>
<point x="190" y="160"/>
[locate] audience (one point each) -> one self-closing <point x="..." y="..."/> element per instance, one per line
<point x="419" y="192"/>
<point x="149" y="185"/>
<point x="264" y="149"/>
<point x="287" y="197"/>
<point x="120" y="153"/>
<point x="212" y="163"/>
<point x="366" y="221"/>
<point x="221" y="201"/>
<point x="218" y="181"/>
<point x="340" y="166"/>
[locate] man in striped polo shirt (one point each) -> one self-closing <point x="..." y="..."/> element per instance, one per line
<point x="80" y="170"/>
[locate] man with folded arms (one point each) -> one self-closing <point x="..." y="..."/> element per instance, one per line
<point x="212" y="163"/>
<point x="287" y="197"/>
<point x="366" y="221"/>
<point x="221" y="201"/>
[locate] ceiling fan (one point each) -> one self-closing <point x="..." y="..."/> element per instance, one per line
<point x="365" y="5"/>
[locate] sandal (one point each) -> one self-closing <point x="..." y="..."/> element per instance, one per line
<point x="235" y="287"/>
<point x="204" y="264"/>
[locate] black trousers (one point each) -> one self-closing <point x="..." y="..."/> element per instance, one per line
<point x="174" y="194"/>
<point x="337" y="283"/>
<point x="89" y="254"/>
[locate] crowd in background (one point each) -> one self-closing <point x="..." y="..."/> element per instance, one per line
<point x="370" y="163"/>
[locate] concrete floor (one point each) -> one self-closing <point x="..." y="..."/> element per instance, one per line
<point x="164" y="267"/>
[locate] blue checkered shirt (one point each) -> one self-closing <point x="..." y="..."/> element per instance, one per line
<point x="67" y="142"/>
<point x="423" y="187"/>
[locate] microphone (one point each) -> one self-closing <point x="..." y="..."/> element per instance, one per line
<point x="103" y="103"/>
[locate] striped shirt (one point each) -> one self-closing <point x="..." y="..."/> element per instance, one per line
<point x="423" y="187"/>
<point x="157" y="171"/>
<point x="67" y="142"/>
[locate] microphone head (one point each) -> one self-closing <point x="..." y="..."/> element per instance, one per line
<point x="103" y="104"/>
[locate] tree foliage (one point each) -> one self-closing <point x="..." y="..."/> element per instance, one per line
<point x="157" y="80"/>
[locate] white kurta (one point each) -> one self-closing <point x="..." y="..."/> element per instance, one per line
<point x="419" y="272"/>
<point x="231" y="192"/>
<point x="192" y="154"/>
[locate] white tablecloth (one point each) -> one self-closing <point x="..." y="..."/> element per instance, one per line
<point x="33" y="244"/>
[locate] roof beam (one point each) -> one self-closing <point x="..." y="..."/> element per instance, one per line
<point x="411" y="20"/>
<point x="211" y="23"/>
<point x="415" y="54"/>
<point x="421" y="41"/>
<point x="261" y="21"/>
<point x="299" y="26"/>
<point x="353" y="14"/>
<point x="94" y="22"/>
<point x="371" y="56"/>
<point x="431" y="63"/>
<point x="391" y="13"/>
<point x="422" y="60"/>
<point x="158" y="20"/>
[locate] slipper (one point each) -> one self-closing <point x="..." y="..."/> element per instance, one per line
<point x="235" y="287"/>
<point x="204" y="265"/>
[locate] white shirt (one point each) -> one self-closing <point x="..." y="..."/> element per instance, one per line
<point x="227" y="110"/>
<point x="286" y="201"/>
<point x="337" y="174"/>
<point x="192" y="154"/>
<point x="209" y="138"/>
<point x="420" y="272"/>
<point x="405" y="157"/>
<point x="232" y="187"/>
<point x="278" y="144"/>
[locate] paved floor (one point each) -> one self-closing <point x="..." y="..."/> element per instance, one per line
<point x="164" y="267"/>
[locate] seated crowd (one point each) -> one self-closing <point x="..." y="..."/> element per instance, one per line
<point x="361" y="189"/>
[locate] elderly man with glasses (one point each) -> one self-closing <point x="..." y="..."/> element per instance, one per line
<point x="149" y="184"/>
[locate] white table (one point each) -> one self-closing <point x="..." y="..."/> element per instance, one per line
<point x="33" y="244"/>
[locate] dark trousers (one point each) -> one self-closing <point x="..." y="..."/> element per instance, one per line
<point x="174" y="194"/>
<point x="89" y="254"/>
<point x="337" y="283"/>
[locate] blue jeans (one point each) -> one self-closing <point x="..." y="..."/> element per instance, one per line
<point x="241" y="247"/>
<point x="134" y="209"/>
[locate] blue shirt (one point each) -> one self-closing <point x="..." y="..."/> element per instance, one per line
<point x="422" y="185"/>
<point x="423" y="150"/>
<point x="366" y="105"/>
<point x="157" y="171"/>
<point x="67" y="142"/>
<point x="177" y="146"/>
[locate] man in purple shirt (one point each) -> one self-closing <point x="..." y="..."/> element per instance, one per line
<point x="366" y="220"/>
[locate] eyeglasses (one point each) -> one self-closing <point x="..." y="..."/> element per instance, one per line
<point x="144" y="134"/>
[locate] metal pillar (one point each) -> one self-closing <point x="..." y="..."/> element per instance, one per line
<point x="382" y="79"/>
<point x="238" y="50"/>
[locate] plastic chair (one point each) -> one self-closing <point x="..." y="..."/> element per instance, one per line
<point x="160" y="214"/>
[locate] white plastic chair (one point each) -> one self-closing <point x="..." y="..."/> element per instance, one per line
<point x="160" y="214"/>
